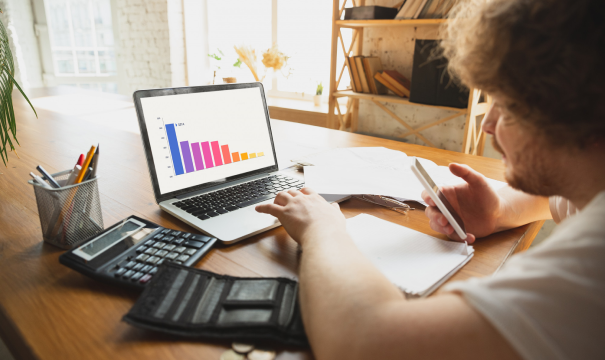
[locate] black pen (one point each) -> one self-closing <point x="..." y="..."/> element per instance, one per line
<point x="50" y="179"/>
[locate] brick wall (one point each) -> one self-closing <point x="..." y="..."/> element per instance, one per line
<point x="18" y="20"/>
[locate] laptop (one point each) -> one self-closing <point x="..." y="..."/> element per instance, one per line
<point x="211" y="157"/>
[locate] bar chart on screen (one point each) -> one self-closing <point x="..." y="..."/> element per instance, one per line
<point x="196" y="154"/>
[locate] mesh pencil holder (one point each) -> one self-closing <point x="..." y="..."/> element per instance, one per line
<point x="71" y="214"/>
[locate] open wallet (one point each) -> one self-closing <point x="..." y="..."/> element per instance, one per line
<point x="200" y="304"/>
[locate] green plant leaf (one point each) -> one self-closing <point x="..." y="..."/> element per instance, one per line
<point x="238" y="63"/>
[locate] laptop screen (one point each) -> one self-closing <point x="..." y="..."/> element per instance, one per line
<point x="204" y="137"/>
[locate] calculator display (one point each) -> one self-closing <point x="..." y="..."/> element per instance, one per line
<point x="102" y="243"/>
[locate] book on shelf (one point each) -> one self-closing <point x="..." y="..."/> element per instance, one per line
<point x="425" y="9"/>
<point x="362" y="75"/>
<point x="354" y="84"/>
<point x="373" y="65"/>
<point x="378" y="76"/>
<point x="399" y="81"/>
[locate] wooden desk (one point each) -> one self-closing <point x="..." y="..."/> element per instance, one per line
<point x="48" y="311"/>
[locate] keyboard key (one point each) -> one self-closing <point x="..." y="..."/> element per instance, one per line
<point x="212" y="214"/>
<point x="180" y="249"/>
<point x="138" y="267"/>
<point x="130" y="265"/>
<point x="160" y="262"/>
<point x="183" y="258"/>
<point x="194" y="244"/>
<point x="142" y="257"/>
<point x="151" y="251"/>
<point x="172" y="255"/>
<point x="203" y="217"/>
<point x="190" y="251"/>
<point x="202" y="238"/>
<point x="128" y="274"/>
<point x="145" y="279"/>
<point x="153" y="271"/>
<point x="221" y="211"/>
<point x="161" y="253"/>
<point x="159" y="245"/>
<point x="141" y="249"/>
<point x="231" y="208"/>
<point x="178" y="241"/>
<point x="120" y="272"/>
<point x="159" y="236"/>
<point x="168" y="238"/>
<point x="169" y="247"/>
<point x="149" y="242"/>
<point x="175" y="233"/>
<point x="186" y="236"/>
<point x="255" y="201"/>
<point x="146" y="268"/>
<point x="153" y="260"/>
<point x="166" y="231"/>
<point x="136" y="276"/>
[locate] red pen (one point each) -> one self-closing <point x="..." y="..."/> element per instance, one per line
<point x="80" y="160"/>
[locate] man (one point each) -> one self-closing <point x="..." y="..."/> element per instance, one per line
<point x="542" y="61"/>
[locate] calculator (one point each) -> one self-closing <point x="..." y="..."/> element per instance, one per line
<point x="128" y="253"/>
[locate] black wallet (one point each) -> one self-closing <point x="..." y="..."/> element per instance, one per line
<point x="200" y="304"/>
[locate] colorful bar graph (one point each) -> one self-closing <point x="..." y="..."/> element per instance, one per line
<point x="207" y="154"/>
<point x="187" y="156"/>
<point x="261" y="154"/>
<point x="197" y="156"/>
<point x="174" y="149"/>
<point x="216" y="151"/>
<point x="244" y="156"/>
<point x="235" y="157"/>
<point x="226" y="154"/>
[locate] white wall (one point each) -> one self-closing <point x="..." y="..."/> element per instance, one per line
<point x="18" y="20"/>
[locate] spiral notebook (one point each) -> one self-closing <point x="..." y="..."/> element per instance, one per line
<point x="415" y="262"/>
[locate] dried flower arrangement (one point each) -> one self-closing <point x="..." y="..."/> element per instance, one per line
<point x="272" y="59"/>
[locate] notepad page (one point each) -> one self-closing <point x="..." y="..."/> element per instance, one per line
<point x="410" y="259"/>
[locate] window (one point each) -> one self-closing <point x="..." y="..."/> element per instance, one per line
<point x="82" y="42"/>
<point x="302" y="31"/>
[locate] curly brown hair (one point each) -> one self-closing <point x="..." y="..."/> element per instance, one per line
<point x="545" y="58"/>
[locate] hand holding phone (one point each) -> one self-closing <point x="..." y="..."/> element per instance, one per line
<point x="440" y="200"/>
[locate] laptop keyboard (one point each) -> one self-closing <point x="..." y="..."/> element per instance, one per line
<point x="236" y="197"/>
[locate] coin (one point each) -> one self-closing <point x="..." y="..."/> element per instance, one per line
<point x="242" y="348"/>
<point x="232" y="355"/>
<point x="261" y="355"/>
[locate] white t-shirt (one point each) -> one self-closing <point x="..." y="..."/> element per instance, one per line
<point x="549" y="302"/>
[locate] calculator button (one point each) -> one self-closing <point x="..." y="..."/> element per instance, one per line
<point x="153" y="271"/>
<point x="201" y="238"/>
<point x="166" y="231"/>
<point x="185" y="236"/>
<point x="138" y="267"/>
<point x="141" y="249"/>
<point x="136" y="276"/>
<point x="145" y="279"/>
<point x="190" y="251"/>
<point x="169" y="247"/>
<point x="194" y="244"/>
<point x="183" y="258"/>
<point x="178" y="241"/>
<point x="175" y="233"/>
<point x="159" y="245"/>
<point x="159" y="236"/>
<point x="128" y="274"/>
<point x="142" y="257"/>
<point x="146" y="268"/>
<point x="151" y="251"/>
<point x="130" y="265"/>
<point x="120" y="272"/>
<point x="172" y="255"/>
<point x="180" y="249"/>
<point x="178" y="262"/>
<point x="153" y="260"/>
<point x="168" y="238"/>
<point x="161" y="253"/>
<point x="149" y="242"/>
<point x="160" y="262"/>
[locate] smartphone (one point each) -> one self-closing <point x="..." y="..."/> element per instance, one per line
<point x="440" y="200"/>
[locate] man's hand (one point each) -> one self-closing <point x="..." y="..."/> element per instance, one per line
<point x="476" y="202"/>
<point x="305" y="214"/>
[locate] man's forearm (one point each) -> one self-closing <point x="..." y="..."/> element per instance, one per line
<point x="519" y="208"/>
<point x="339" y="290"/>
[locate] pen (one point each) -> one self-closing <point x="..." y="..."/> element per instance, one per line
<point x="72" y="176"/>
<point x="50" y="179"/>
<point x="38" y="180"/>
<point x="85" y="165"/>
<point x="95" y="162"/>
<point x="88" y="174"/>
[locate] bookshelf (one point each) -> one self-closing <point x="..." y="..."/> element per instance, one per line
<point x="473" y="138"/>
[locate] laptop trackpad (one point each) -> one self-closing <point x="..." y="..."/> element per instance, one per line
<point x="236" y="224"/>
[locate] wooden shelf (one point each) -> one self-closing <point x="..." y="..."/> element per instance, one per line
<point x="375" y="23"/>
<point x="390" y="99"/>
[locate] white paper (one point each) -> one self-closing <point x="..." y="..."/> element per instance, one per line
<point x="409" y="259"/>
